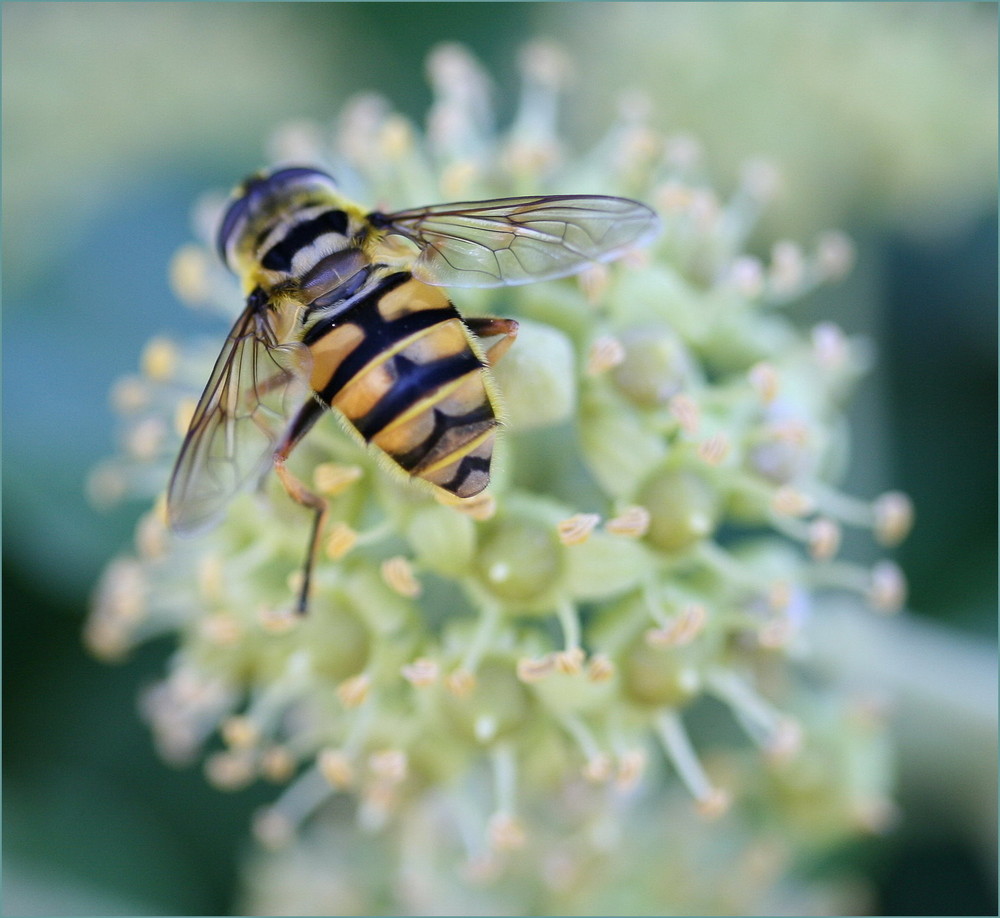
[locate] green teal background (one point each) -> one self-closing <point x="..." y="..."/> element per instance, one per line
<point x="882" y="118"/>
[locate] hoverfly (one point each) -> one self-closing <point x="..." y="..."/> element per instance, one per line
<point x="337" y="315"/>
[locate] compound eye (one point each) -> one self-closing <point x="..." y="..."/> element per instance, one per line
<point x="259" y="188"/>
<point x="235" y="213"/>
<point x="281" y="179"/>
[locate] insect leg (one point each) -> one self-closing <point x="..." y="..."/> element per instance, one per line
<point x="490" y="328"/>
<point x="308" y="414"/>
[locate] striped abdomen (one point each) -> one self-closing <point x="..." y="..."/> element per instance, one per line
<point x="402" y="370"/>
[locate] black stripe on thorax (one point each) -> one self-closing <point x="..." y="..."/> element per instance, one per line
<point x="357" y="312"/>
<point x="414" y="381"/>
<point x="279" y="256"/>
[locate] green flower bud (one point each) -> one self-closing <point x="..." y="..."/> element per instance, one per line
<point x="497" y="704"/>
<point x="618" y="449"/>
<point x="683" y="506"/>
<point x="661" y="676"/>
<point x="520" y="559"/>
<point x="338" y="642"/>
<point x="656" y="365"/>
<point x="565" y="693"/>
<point x="604" y="565"/>
<point x="537" y="377"/>
<point x="443" y="539"/>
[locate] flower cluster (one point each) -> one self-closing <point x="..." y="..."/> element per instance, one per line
<point x="516" y="677"/>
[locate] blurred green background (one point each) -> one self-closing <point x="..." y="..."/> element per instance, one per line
<point x="883" y="121"/>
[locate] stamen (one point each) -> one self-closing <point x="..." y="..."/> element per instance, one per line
<point x="145" y="441"/>
<point x="787" y="272"/>
<point x="887" y="591"/>
<point x="764" y="378"/>
<point x="632" y="522"/>
<point x="600" y="668"/>
<point x="631" y="767"/>
<point x="229" y="771"/>
<point x="712" y="802"/>
<point x="534" y="670"/>
<point x="746" y="276"/>
<point x="352" y="692"/>
<point x="159" y="360"/>
<point x="570" y="661"/>
<point x="278" y="823"/>
<point x="336" y="768"/>
<point x="715" y="449"/>
<point x="598" y="763"/>
<point x="421" y="672"/>
<point x="240" y="732"/>
<point x="505" y="831"/>
<point x="789" y="501"/>
<point x="824" y="539"/>
<point x="777" y="734"/>
<point x="569" y="619"/>
<point x="460" y="683"/>
<point x="332" y="478"/>
<point x="272" y="829"/>
<point x="211" y="576"/>
<point x="893" y="513"/>
<point x="183" y="415"/>
<point x="685" y="410"/>
<point x="830" y="346"/>
<point x="577" y="529"/>
<point x="277" y="764"/>
<point x="604" y="353"/>
<point x="594" y="281"/>
<point x="190" y="274"/>
<point x="397" y="572"/>
<point x="391" y="765"/>
<point x="298" y="141"/>
<point x="681" y="630"/>
<point x="151" y="540"/>
<point x="340" y="540"/>
<point x="834" y="255"/>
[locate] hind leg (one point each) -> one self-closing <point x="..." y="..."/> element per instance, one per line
<point x="308" y="414"/>
<point x="491" y="328"/>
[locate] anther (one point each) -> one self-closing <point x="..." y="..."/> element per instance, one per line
<point x="893" y="517"/>
<point x="460" y="683"/>
<point x="604" y="353"/>
<point x="421" y="672"/>
<point x="534" y="670"/>
<point x="397" y="572"/>
<point x="352" y="692"/>
<point x="686" y="412"/>
<point x="632" y="522"/>
<point x="340" y="540"/>
<point x="681" y="630"/>
<point x="332" y="478"/>
<point x="159" y="359"/>
<point x="336" y="768"/>
<point x="577" y="529"/>
<point x="887" y="590"/>
<point x="824" y="538"/>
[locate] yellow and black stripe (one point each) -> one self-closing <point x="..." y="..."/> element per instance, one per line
<point x="402" y="367"/>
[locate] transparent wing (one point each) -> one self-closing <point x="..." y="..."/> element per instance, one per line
<point x="519" y="240"/>
<point x="254" y="389"/>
